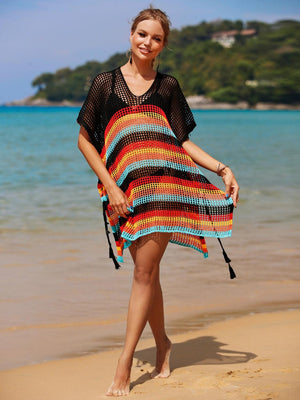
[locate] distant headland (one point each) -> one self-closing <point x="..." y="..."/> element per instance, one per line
<point x="195" y="102"/>
<point x="220" y="64"/>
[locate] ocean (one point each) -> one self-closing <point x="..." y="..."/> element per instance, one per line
<point x="59" y="293"/>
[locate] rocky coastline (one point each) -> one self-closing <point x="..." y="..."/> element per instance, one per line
<point x="197" y="102"/>
<point x="31" y="101"/>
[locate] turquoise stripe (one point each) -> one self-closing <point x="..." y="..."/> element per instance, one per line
<point x="127" y="243"/>
<point x="156" y="163"/>
<point x="115" y="228"/>
<point x="191" y="246"/>
<point x="181" y="199"/>
<point x="159" y="228"/>
<point x="137" y="128"/>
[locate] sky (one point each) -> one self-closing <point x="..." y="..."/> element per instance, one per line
<point x="38" y="36"/>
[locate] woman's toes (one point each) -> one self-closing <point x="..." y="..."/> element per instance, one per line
<point x="109" y="391"/>
<point x="164" y="374"/>
<point x="154" y="374"/>
<point x="117" y="392"/>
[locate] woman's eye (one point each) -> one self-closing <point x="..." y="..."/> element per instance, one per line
<point x="158" y="39"/>
<point x="141" y="34"/>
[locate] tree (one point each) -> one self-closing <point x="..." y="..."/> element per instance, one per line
<point x="271" y="60"/>
<point x="43" y="80"/>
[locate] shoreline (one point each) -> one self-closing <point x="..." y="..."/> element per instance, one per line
<point x="207" y="293"/>
<point x="195" y="102"/>
<point x="178" y="322"/>
<point x="253" y="356"/>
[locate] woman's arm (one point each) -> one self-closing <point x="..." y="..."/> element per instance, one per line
<point x="117" y="198"/>
<point x="205" y="160"/>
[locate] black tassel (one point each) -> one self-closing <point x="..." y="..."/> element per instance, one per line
<point x="227" y="260"/>
<point x="111" y="252"/>
<point x="231" y="272"/>
<point x="117" y="265"/>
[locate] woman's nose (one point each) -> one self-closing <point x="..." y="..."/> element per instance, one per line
<point x="147" y="41"/>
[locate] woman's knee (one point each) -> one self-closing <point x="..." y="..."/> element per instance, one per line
<point x="146" y="274"/>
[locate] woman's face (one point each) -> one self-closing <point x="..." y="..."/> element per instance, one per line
<point x="147" y="41"/>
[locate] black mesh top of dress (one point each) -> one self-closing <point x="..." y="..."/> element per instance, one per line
<point x="139" y="139"/>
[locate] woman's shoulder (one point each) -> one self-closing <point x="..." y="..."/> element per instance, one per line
<point x="169" y="80"/>
<point x="103" y="77"/>
<point x="102" y="82"/>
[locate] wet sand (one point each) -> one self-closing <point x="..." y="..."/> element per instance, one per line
<point x="57" y="286"/>
<point x="253" y="357"/>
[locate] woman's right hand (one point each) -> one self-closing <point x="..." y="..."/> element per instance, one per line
<point x="118" y="201"/>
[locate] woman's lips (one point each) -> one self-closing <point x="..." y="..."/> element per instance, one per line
<point x="144" y="51"/>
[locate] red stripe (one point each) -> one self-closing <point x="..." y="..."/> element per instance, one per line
<point x="179" y="214"/>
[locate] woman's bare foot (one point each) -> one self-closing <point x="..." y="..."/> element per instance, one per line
<point x="162" y="368"/>
<point x="121" y="382"/>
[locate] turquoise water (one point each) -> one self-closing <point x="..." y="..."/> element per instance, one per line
<point x="46" y="184"/>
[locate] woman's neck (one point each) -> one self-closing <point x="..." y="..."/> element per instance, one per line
<point x="138" y="68"/>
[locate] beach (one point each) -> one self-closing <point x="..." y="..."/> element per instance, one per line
<point x="252" y="357"/>
<point x="64" y="286"/>
<point x="63" y="305"/>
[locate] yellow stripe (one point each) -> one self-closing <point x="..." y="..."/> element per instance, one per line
<point x="151" y="152"/>
<point x="161" y="186"/>
<point x="187" y="221"/>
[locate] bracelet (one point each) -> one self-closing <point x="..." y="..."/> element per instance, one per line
<point x="219" y="170"/>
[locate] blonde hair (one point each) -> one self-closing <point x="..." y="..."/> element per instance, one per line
<point x="155" y="14"/>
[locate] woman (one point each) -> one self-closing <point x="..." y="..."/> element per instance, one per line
<point x="138" y="120"/>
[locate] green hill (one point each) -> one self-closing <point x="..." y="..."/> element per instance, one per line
<point x="262" y="65"/>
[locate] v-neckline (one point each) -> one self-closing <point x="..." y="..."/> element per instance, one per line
<point x="135" y="95"/>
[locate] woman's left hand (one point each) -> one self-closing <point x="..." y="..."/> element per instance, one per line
<point x="231" y="185"/>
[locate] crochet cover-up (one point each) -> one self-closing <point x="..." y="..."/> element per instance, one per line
<point x="139" y="139"/>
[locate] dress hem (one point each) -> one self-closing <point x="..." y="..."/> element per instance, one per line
<point x="131" y="238"/>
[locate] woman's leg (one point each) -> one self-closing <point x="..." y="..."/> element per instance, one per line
<point x="163" y="344"/>
<point x="157" y="323"/>
<point x="147" y="256"/>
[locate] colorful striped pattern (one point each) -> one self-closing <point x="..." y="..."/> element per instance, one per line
<point x="163" y="184"/>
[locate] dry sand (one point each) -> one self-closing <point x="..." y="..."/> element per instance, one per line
<point x="248" y="358"/>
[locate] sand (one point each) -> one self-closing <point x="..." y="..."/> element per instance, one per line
<point x="255" y="357"/>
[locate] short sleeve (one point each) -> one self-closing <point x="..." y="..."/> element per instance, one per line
<point x="89" y="116"/>
<point x="180" y="115"/>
